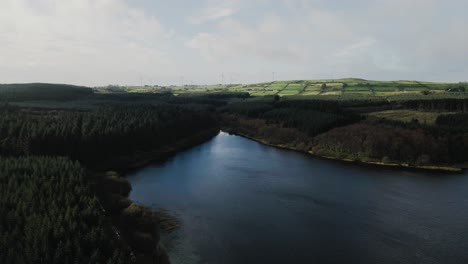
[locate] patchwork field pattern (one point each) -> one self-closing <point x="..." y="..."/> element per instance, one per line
<point x="334" y="87"/>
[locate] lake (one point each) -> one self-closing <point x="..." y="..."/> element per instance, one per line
<point x="242" y="202"/>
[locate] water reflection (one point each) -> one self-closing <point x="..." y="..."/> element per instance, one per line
<point x="242" y="202"/>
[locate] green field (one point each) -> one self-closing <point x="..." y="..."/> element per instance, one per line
<point x="407" y="116"/>
<point x="349" y="86"/>
<point x="355" y="92"/>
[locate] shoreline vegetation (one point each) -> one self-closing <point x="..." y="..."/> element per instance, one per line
<point x="116" y="132"/>
<point x="135" y="225"/>
<point x="163" y="219"/>
<point x="376" y="163"/>
<point x="97" y="130"/>
<point x="429" y="134"/>
<point x="140" y="224"/>
<point x="295" y="140"/>
<point x="142" y="159"/>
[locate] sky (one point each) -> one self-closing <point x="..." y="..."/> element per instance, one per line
<point x="129" y="42"/>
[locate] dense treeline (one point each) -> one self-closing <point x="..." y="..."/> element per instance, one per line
<point x="309" y="116"/>
<point x="374" y="142"/>
<point x="250" y="109"/>
<point x="315" y="105"/>
<point x="114" y="130"/>
<point x="449" y="104"/>
<point x="138" y="225"/>
<point x="96" y="136"/>
<point x="459" y="121"/>
<point x="42" y="91"/>
<point x="308" y="121"/>
<point x="131" y="97"/>
<point x="341" y="102"/>
<point x="385" y="140"/>
<point x="220" y="95"/>
<point x="208" y="103"/>
<point x="51" y="215"/>
<point x="267" y="132"/>
<point x="333" y="128"/>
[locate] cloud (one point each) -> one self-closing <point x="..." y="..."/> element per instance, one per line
<point x="213" y="10"/>
<point x="117" y="41"/>
<point x="243" y="42"/>
<point x="64" y="41"/>
<point x="210" y="14"/>
<point x="296" y="41"/>
<point x="355" y="48"/>
<point x="271" y="24"/>
<point x="374" y="39"/>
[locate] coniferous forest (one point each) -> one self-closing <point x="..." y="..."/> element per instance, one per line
<point x="97" y="136"/>
<point x="56" y="203"/>
<point x="233" y="132"/>
<point x="50" y="214"/>
<point x="59" y="205"/>
<point x="347" y="129"/>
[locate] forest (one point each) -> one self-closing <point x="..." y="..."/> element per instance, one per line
<point x="95" y="137"/>
<point x="42" y="91"/>
<point x="58" y="141"/>
<point x="342" y="129"/>
<point x="58" y="204"/>
<point x="50" y="214"/>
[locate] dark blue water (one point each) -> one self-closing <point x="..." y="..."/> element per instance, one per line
<point x="243" y="202"/>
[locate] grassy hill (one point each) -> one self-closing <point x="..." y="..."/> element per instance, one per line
<point x="348" y="86"/>
<point x="335" y="89"/>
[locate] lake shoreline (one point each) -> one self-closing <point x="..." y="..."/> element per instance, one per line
<point x="159" y="217"/>
<point x="139" y="160"/>
<point x="370" y="163"/>
<point x="144" y="159"/>
<point x="226" y="191"/>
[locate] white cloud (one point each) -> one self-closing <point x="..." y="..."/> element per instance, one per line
<point x="272" y="24"/>
<point x="374" y="39"/>
<point x="296" y="41"/>
<point x="212" y="10"/>
<point x="211" y="13"/>
<point x="63" y="41"/>
<point x="355" y="49"/>
<point x="240" y="41"/>
<point x="117" y="41"/>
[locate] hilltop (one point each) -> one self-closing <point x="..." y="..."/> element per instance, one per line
<point x="347" y="86"/>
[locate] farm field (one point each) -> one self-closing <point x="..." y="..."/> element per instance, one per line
<point x="349" y="86"/>
<point x="407" y="116"/>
